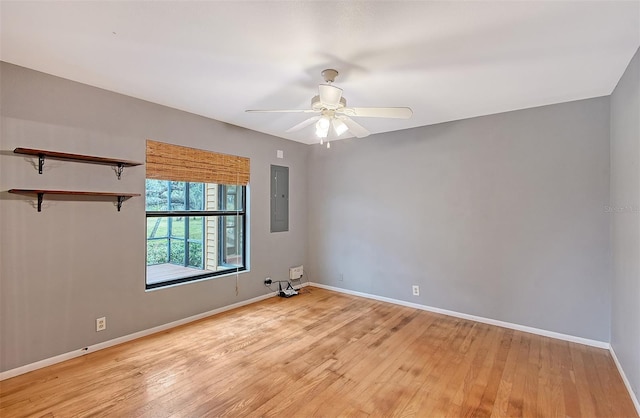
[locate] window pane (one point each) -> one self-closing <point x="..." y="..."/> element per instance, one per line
<point x="176" y="255"/>
<point x="231" y="240"/>
<point x="157" y="251"/>
<point x="196" y="229"/>
<point x="164" y="195"/>
<point x="195" y="255"/>
<point x="230" y="197"/>
<point x="232" y="248"/>
<point x="176" y="227"/>
<point x="157" y="227"/>
<point x="177" y="189"/>
<point x="157" y="197"/>
<point x="196" y="196"/>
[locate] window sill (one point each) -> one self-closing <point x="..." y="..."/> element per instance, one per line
<point x="187" y="280"/>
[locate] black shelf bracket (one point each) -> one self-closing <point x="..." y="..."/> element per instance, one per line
<point x="40" y="163"/>
<point x="119" y="169"/>
<point x="40" y="197"/>
<point x="120" y="200"/>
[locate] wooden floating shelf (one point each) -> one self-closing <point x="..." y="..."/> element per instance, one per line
<point x="42" y="154"/>
<point x="41" y="192"/>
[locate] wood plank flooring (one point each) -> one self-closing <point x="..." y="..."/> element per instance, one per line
<point x="327" y="354"/>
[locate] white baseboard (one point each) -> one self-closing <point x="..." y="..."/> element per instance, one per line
<point x="524" y="328"/>
<point x="82" y="351"/>
<point x="634" y="398"/>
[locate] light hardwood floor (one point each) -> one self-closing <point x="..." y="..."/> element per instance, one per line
<point x="327" y="354"/>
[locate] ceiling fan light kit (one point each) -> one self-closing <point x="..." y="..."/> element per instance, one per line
<point x="334" y="115"/>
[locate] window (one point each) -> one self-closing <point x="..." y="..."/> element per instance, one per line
<point x="195" y="229"/>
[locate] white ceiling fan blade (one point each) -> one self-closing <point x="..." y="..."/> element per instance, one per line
<point x="304" y="124"/>
<point x="378" y="112"/>
<point x="330" y="95"/>
<point x="355" y="128"/>
<point x="283" y="111"/>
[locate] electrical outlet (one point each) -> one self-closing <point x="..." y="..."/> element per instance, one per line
<point x="416" y="290"/>
<point x="268" y="281"/>
<point x="341" y="277"/>
<point x="101" y="324"/>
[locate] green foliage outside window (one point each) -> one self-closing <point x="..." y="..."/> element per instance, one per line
<point x="166" y="236"/>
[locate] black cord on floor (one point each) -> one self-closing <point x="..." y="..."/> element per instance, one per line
<point x="303" y="289"/>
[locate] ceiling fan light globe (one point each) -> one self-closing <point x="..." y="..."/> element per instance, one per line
<point x="339" y="126"/>
<point x="322" y="127"/>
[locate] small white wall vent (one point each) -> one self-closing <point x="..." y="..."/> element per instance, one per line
<point x="295" y="273"/>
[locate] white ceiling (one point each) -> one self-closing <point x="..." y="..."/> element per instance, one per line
<point x="445" y="60"/>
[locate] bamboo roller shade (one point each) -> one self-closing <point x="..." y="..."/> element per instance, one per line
<point x="176" y="163"/>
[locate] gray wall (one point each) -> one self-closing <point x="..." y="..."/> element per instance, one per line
<point x="625" y="225"/>
<point x="501" y="216"/>
<point x="79" y="260"/>
<point x="498" y="216"/>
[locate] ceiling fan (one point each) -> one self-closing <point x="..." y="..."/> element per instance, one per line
<point x="333" y="114"/>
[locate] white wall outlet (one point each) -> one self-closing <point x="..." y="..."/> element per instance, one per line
<point x="416" y="290"/>
<point x="101" y="324"/>
<point x="280" y="153"/>
<point x="341" y="277"/>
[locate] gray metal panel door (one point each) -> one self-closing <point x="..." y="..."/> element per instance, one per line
<point x="279" y="198"/>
